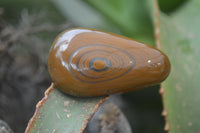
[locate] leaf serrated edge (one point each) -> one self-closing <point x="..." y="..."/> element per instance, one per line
<point x="38" y="106"/>
<point x="86" y="121"/>
<point x="41" y="103"/>
<point x="158" y="45"/>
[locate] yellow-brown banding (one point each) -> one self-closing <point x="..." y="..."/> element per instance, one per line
<point x="86" y="62"/>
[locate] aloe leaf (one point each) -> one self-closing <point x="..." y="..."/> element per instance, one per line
<point x="61" y="113"/>
<point x="178" y="36"/>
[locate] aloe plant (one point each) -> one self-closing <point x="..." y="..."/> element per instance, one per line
<point x="177" y="35"/>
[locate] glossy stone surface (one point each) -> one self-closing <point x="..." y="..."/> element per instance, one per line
<point x="85" y="62"/>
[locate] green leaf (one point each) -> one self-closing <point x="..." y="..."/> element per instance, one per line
<point x="61" y="113"/>
<point x="81" y="14"/>
<point x="178" y="36"/>
<point x="130" y="16"/>
<point x="168" y="6"/>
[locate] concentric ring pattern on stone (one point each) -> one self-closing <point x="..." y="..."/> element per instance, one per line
<point x="86" y="62"/>
<point x="118" y="63"/>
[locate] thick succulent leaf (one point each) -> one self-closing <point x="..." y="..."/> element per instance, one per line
<point x="178" y="37"/>
<point x="61" y="113"/>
